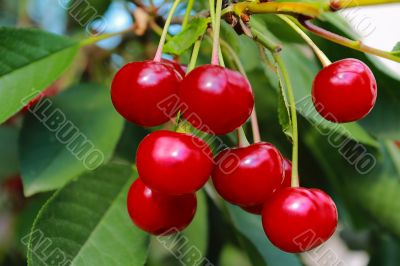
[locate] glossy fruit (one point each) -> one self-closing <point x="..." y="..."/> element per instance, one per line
<point x="344" y="91"/>
<point x="176" y="66"/>
<point x="139" y="87"/>
<point x="174" y="163"/>
<point x="216" y="100"/>
<point x="157" y="213"/>
<point x="256" y="175"/>
<point x="299" y="219"/>
<point x="287" y="182"/>
<point x="287" y="169"/>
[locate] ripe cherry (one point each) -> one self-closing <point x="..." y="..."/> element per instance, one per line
<point x="299" y="219"/>
<point x="344" y="91"/>
<point x="216" y="100"/>
<point x="176" y="66"/>
<point x="287" y="168"/>
<point x="157" y="213"/>
<point x="256" y="175"/>
<point x="139" y="87"/>
<point x="174" y="163"/>
<point x="287" y="182"/>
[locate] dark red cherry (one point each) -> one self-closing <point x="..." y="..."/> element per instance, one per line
<point x="257" y="174"/>
<point x="299" y="219"/>
<point x="157" y="213"/>
<point x="344" y="91"/>
<point x="287" y="182"/>
<point x="216" y="100"/>
<point x="178" y="68"/>
<point x="256" y="209"/>
<point x="287" y="168"/>
<point x="139" y="87"/>
<point x="174" y="163"/>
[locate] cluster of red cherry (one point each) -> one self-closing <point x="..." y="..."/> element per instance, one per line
<point x="172" y="166"/>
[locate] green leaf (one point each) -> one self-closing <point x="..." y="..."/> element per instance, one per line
<point x="179" y="43"/>
<point x="375" y="191"/>
<point x="30" y="61"/>
<point x="396" y="49"/>
<point x="66" y="135"/>
<point x="9" y="164"/>
<point x="86" y="223"/>
<point x="250" y="227"/>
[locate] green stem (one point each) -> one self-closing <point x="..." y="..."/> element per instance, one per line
<point x="187" y="14"/>
<point x="293" y="116"/>
<point x="272" y="47"/>
<point x="242" y="140"/>
<point x="216" y="51"/>
<point x="340" y="4"/>
<point x="195" y="54"/>
<point x="321" y="56"/>
<point x="308" y="9"/>
<point x="101" y="37"/>
<point x="356" y="45"/>
<point x="157" y="57"/>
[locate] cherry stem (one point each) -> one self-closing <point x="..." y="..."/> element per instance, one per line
<point x="321" y="56"/>
<point x="187" y="14"/>
<point x="216" y="17"/>
<point x="309" y="9"/>
<point x="253" y="118"/>
<point x="273" y="48"/>
<point x="293" y="116"/>
<point x="157" y="57"/>
<point x="98" y="38"/>
<point x="195" y="54"/>
<point x="356" y="45"/>
<point x="241" y="136"/>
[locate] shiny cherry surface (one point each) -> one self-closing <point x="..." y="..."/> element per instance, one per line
<point x="287" y="173"/>
<point x="344" y="91"/>
<point x="287" y="182"/>
<point x="174" y="163"/>
<point x="299" y="219"/>
<point x="256" y="175"/>
<point x="139" y="87"/>
<point x="157" y="213"/>
<point x="217" y="100"/>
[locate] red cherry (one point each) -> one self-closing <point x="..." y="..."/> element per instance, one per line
<point x="256" y="209"/>
<point x="216" y="100"/>
<point x="176" y="66"/>
<point x="287" y="182"/>
<point x="344" y="91"/>
<point x="157" y="213"/>
<point x="287" y="168"/>
<point x="256" y="175"/>
<point x="139" y="87"/>
<point x="299" y="219"/>
<point x="174" y="163"/>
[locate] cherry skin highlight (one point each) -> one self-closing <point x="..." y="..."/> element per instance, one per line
<point x="299" y="219"/>
<point x="157" y="213"/>
<point x="256" y="175"/>
<point x="216" y="100"/>
<point x="174" y="163"/>
<point x="287" y="182"/>
<point x="344" y="91"/>
<point x="139" y="87"/>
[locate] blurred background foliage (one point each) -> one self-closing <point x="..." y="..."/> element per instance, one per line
<point x="369" y="206"/>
